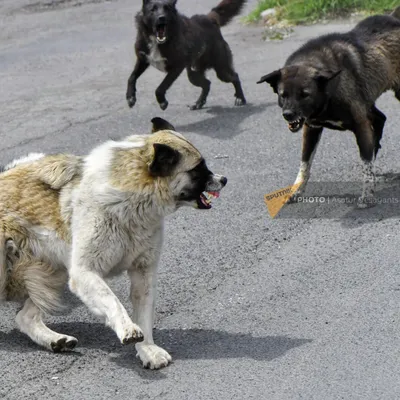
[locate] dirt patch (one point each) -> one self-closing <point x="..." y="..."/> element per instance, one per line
<point x="51" y="5"/>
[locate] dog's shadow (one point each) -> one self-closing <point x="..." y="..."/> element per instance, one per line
<point x="343" y="197"/>
<point x="183" y="344"/>
<point x="224" y="122"/>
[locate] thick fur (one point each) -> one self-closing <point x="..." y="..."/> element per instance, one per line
<point x="333" y="82"/>
<point x="65" y="218"/>
<point x="194" y="43"/>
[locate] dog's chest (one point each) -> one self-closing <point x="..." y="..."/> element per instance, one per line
<point x="330" y="124"/>
<point x="154" y="56"/>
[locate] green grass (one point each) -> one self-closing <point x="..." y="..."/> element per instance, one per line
<point x="303" y="11"/>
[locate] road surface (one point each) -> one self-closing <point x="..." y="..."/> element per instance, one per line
<point x="249" y="307"/>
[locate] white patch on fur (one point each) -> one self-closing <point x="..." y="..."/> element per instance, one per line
<point x="99" y="160"/>
<point x="338" y="124"/>
<point x="48" y="246"/>
<point x="304" y="173"/>
<point x="31" y="157"/>
<point x="154" y="57"/>
<point x="30" y="322"/>
<point x="368" y="185"/>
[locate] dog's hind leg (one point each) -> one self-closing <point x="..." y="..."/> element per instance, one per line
<point x="366" y="143"/>
<point x="198" y="79"/>
<point x="311" y="138"/>
<point x="29" y="321"/>
<point x="224" y="68"/>
<point x="379" y="119"/>
<point x="171" y="77"/>
<point x="43" y="285"/>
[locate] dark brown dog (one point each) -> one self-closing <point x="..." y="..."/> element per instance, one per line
<point x="172" y="42"/>
<point x="333" y="82"/>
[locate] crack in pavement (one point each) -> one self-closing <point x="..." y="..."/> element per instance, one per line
<point x="57" y="132"/>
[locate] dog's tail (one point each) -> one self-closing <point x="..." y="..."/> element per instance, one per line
<point x="3" y="267"/>
<point x="225" y="11"/>
<point x="396" y="12"/>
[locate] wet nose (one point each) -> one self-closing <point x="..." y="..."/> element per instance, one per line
<point x="224" y="181"/>
<point x="162" y="19"/>
<point x="288" y="115"/>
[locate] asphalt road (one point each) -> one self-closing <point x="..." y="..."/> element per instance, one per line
<point x="249" y="307"/>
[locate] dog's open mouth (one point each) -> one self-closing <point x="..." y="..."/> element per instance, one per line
<point x="161" y="33"/>
<point x="296" y="125"/>
<point x="205" y="199"/>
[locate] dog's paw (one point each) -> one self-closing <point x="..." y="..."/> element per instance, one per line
<point x="197" y="106"/>
<point x="65" y="343"/>
<point x="240" y="101"/>
<point x="152" y="356"/>
<point x="131" y="101"/>
<point x="364" y="202"/>
<point x="164" y="105"/>
<point x="133" y="335"/>
<point x="294" y="198"/>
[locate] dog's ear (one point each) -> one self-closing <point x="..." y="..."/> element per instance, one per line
<point x="173" y="2"/>
<point x="165" y="160"/>
<point x="273" y="79"/>
<point x="324" y="76"/>
<point x="160" y="124"/>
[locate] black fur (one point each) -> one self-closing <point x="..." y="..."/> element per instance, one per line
<point x="165" y="160"/>
<point x="180" y="42"/>
<point x="334" y="81"/>
<point x="160" y="124"/>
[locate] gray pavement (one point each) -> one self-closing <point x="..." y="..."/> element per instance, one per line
<point x="249" y="307"/>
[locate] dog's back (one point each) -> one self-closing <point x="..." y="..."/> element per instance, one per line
<point x="372" y="45"/>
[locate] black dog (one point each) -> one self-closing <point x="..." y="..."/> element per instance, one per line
<point x="333" y="82"/>
<point x="172" y="42"/>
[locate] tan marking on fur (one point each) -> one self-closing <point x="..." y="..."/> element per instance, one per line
<point x="139" y="160"/>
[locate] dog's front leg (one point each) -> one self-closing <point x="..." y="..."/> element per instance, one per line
<point x="140" y="66"/>
<point x="92" y="258"/>
<point x="143" y="294"/>
<point x="171" y="77"/>
<point x="311" y="137"/>
<point x="366" y="144"/>
<point x="97" y="295"/>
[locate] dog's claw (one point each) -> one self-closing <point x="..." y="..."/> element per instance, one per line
<point x="197" y="106"/>
<point x="164" y="105"/>
<point x="365" y="202"/>
<point x="64" y="344"/>
<point x="133" y="339"/>
<point x="131" y="101"/>
<point x="240" y="102"/>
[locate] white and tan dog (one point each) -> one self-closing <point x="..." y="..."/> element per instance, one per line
<point x="83" y="219"/>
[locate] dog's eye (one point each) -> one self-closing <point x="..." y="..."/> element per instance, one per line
<point x="284" y="95"/>
<point x="154" y="8"/>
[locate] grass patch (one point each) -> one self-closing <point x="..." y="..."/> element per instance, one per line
<point x="304" y="11"/>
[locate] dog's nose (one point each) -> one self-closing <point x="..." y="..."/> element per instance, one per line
<point x="224" y="181"/>
<point x="288" y="115"/>
<point x="162" y="19"/>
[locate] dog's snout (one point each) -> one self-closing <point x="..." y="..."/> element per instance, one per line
<point x="288" y="115"/>
<point x="162" y="19"/>
<point x="224" y="181"/>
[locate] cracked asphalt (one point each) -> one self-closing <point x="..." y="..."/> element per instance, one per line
<point x="248" y="306"/>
